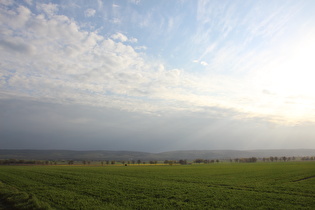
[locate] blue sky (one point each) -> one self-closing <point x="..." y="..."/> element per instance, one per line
<point x="140" y="74"/>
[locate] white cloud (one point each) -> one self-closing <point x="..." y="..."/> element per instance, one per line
<point x="49" y="9"/>
<point x="89" y="12"/>
<point x="82" y="67"/>
<point x="204" y="63"/>
<point x="115" y="20"/>
<point x="133" y="40"/>
<point x="141" y="48"/>
<point x="121" y="37"/>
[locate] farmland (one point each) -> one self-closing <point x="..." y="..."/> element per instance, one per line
<point x="276" y="185"/>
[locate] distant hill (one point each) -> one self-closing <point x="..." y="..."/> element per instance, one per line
<point x="227" y="154"/>
<point x="131" y="155"/>
<point x="71" y="155"/>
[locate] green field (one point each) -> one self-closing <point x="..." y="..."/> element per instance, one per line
<point x="278" y="185"/>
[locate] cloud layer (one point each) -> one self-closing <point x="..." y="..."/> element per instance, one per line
<point x="55" y="60"/>
<point x="211" y="63"/>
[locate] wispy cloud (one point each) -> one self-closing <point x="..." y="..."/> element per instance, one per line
<point x="204" y="63"/>
<point x="120" y="37"/>
<point x="135" y="1"/>
<point x="89" y="12"/>
<point x="49" y="9"/>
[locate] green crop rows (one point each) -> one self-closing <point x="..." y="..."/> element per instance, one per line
<point x="285" y="185"/>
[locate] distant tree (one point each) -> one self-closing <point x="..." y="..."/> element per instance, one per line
<point x="182" y="162"/>
<point x="138" y="161"/>
<point x="84" y="162"/>
<point x="217" y="160"/>
<point x="102" y="162"/>
<point x="199" y="160"/>
<point x="70" y="162"/>
<point x="113" y="162"/>
<point x="271" y="158"/>
<point x="21" y="161"/>
<point x="166" y="161"/>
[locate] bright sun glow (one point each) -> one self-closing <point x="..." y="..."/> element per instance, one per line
<point x="291" y="81"/>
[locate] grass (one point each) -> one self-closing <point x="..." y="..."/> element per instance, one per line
<point x="285" y="185"/>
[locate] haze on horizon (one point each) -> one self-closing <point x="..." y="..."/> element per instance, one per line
<point x="157" y="76"/>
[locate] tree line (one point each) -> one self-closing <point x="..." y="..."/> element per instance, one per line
<point x="26" y="162"/>
<point x="152" y="162"/>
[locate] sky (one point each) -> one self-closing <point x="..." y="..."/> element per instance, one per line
<point x="157" y="76"/>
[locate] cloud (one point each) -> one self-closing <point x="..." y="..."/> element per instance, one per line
<point x="204" y="63"/>
<point x="79" y="66"/>
<point x="83" y="127"/>
<point x="29" y="2"/>
<point x="89" y="12"/>
<point x="49" y="9"/>
<point x="116" y="20"/>
<point x="121" y="37"/>
<point x="133" y="40"/>
<point x="135" y="1"/>
<point x="7" y="2"/>
<point x="56" y="60"/>
<point x="141" y="48"/>
<point x="16" y="45"/>
<point x="53" y="68"/>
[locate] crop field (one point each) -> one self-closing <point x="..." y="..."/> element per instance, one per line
<point x="278" y="185"/>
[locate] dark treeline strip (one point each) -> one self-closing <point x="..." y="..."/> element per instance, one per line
<point x="26" y="162"/>
<point x="169" y="162"/>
